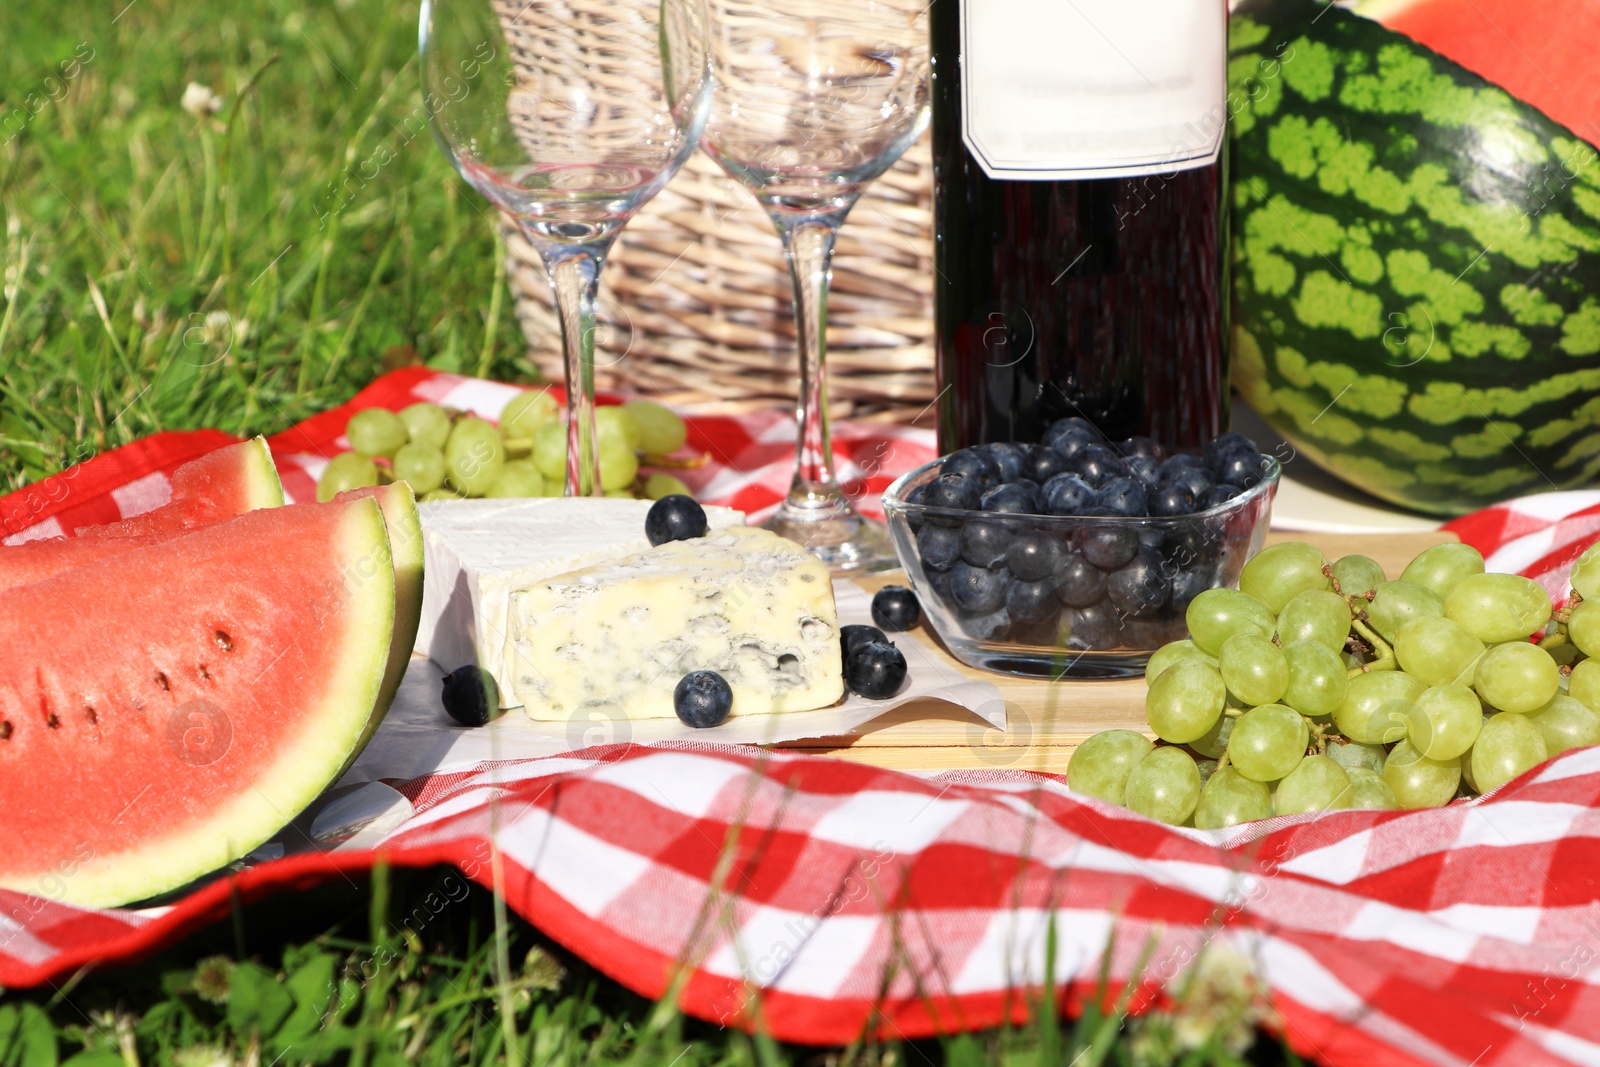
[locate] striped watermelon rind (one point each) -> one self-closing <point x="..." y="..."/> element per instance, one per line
<point x="1417" y="264"/>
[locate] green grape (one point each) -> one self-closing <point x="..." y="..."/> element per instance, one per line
<point x="661" y="431"/>
<point x="1439" y="568"/>
<point x="1358" y="574"/>
<point x="376" y="432"/>
<point x="1276" y="574"/>
<point x="1171" y="653"/>
<point x="527" y="412"/>
<point x="1516" y="676"/>
<point x="426" y="424"/>
<point x="1184" y="701"/>
<point x="659" y="485"/>
<point x="1435" y="650"/>
<point x="1583" y="627"/>
<point x="1397" y="603"/>
<point x="1217" y="614"/>
<point x="444" y="492"/>
<point x="474" y="456"/>
<point x="1508" y="745"/>
<point x="1443" y="722"/>
<point x="1498" y="607"/>
<point x="1229" y="798"/>
<point x="1315" y="615"/>
<point x="1369" y="791"/>
<point x="1420" y="782"/>
<point x="347" y="470"/>
<point x="1316" y="784"/>
<point x="1352" y="755"/>
<point x="616" y="420"/>
<point x="1100" y="766"/>
<point x="1584" y="684"/>
<point x="619" y="464"/>
<point x="419" y="466"/>
<point x="1376" y="706"/>
<point x="550" y="451"/>
<point x="1215" y="741"/>
<point x="1586" y="573"/>
<point x="518" y="478"/>
<point x="1165" y="785"/>
<point x="1254" y="668"/>
<point x="1268" y="742"/>
<point x="619" y="494"/>
<point x="1317" y="678"/>
<point x="1566" y="723"/>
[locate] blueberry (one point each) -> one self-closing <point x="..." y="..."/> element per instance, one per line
<point x="1043" y="463"/>
<point x="1142" y="446"/>
<point x="1173" y="498"/>
<point x="950" y="491"/>
<point x="913" y="516"/>
<point x="702" y="699"/>
<point x="1178" y="461"/>
<point x="1008" y="456"/>
<point x="1011" y="498"/>
<point x="674" y="518"/>
<point x="1217" y="495"/>
<point x="1226" y="444"/>
<point x="1139" y="588"/>
<point x="973" y="463"/>
<point x="939" y="585"/>
<point x="1097" y="463"/>
<point x="939" y="546"/>
<point x="1079" y="583"/>
<point x="989" y="626"/>
<point x="1032" y="601"/>
<point x="854" y="636"/>
<point x="876" y="670"/>
<point x="1195" y="479"/>
<point x="1242" y="468"/>
<point x="1188" y="584"/>
<point x="1033" y="555"/>
<point x="470" y="696"/>
<point x="1110" y="547"/>
<point x="1095" y="627"/>
<point x="1147" y="633"/>
<point x="1066" y="494"/>
<point x="984" y="541"/>
<point x="895" y="607"/>
<point x="1122" y="496"/>
<point x="977" y="590"/>
<point x="1191" y="544"/>
<point x="1072" y="427"/>
<point x="1143" y="469"/>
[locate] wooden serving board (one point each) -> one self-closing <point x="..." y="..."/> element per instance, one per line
<point x="1047" y="720"/>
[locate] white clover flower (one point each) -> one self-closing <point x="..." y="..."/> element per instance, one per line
<point x="200" y="101"/>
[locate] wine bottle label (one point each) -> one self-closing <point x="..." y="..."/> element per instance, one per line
<point x="1055" y="89"/>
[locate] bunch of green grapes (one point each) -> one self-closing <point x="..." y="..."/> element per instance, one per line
<point x="1319" y="685"/>
<point x="449" y="455"/>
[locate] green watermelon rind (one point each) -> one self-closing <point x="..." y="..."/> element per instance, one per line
<point x="263" y="489"/>
<point x="362" y="631"/>
<point x="1417" y="264"/>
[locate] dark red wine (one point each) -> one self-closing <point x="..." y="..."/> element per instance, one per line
<point x="1100" y="297"/>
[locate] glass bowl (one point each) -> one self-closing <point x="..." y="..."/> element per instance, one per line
<point x="1079" y="620"/>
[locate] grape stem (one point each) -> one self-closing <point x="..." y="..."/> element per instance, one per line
<point x="1232" y="713"/>
<point x="1385" y="660"/>
<point x="1555" y="640"/>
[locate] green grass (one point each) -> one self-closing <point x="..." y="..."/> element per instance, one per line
<point x="167" y="269"/>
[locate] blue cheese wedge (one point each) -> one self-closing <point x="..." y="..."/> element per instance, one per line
<point x="752" y="606"/>
<point x="477" y="553"/>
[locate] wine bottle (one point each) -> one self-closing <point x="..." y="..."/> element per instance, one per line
<point x="1080" y="217"/>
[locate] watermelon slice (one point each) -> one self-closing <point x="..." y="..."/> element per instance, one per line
<point x="236" y="474"/>
<point x="1539" y="53"/>
<point x="166" y="710"/>
<point x="219" y="485"/>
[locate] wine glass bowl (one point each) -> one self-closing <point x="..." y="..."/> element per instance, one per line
<point x="568" y="115"/>
<point x="811" y="101"/>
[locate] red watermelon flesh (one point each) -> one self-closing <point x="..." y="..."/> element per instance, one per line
<point x="219" y="485"/>
<point x="1539" y="53"/>
<point x="166" y="710"/>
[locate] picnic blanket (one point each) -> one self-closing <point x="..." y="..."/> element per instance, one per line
<point x="820" y="898"/>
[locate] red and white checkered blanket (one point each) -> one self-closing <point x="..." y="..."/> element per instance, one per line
<point x="849" y="897"/>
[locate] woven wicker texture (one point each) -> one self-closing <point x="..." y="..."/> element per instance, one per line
<point x="696" y="302"/>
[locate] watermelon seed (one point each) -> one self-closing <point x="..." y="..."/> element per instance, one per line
<point x="224" y="642"/>
<point x="161" y="680"/>
<point x="89" y="713"/>
<point x="53" y="721"/>
<point x="205" y="676"/>
<point x="5" y="730"/>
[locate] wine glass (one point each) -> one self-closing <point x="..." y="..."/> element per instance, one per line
<point x="812" y="100"/>
<point x="567" y="115"/>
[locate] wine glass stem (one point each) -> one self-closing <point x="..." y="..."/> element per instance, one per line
<point x="809" y="247"/>
<point x="575" y="276"/>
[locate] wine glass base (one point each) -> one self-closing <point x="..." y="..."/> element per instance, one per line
<point x="846" y="542"/>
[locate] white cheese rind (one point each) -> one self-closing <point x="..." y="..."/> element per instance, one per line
<point x="752" y="606"/>
<point x="476" y="553"/>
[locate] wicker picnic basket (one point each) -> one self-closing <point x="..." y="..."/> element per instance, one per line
<point x="696" y="305"/>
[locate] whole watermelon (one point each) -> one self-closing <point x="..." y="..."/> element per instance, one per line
<point x="1417" y="264"/>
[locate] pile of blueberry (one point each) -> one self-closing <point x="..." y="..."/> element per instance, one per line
<point x="1008" y="577"/>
